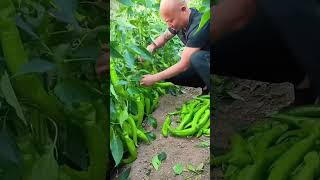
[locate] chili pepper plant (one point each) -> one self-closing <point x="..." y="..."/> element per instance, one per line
<point x="53" y="107"/>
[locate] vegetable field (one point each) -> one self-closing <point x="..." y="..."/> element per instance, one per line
<point x="53" y="115"/>
<point x="136" y="118"/>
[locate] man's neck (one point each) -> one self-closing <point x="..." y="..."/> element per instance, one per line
<point x="187" y="19"/>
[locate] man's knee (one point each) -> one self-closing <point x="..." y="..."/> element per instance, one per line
<point x="199" y="59"/>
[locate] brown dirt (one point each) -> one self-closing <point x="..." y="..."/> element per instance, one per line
<point x="260" y="99"/>
<point x="178" y="150"/>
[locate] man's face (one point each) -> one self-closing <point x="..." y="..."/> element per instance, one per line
<point x="174" y="19"/>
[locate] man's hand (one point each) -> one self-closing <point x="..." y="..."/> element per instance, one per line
<point x="148" y="80"/>
<point x="151" y="48"/>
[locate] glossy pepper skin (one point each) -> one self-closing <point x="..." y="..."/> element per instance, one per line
<point x="131" y="148"/>
<point x="165" y="126"/>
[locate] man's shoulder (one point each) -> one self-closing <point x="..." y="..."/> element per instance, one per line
<point x="195" y="21"/>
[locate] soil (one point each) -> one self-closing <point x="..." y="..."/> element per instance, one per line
<point x="254" y="100"/>
<point x="178" y="150"/>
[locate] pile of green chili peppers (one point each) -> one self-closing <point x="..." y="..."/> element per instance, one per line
<point x="194" y="119"/>
<point x="284" y="146"/>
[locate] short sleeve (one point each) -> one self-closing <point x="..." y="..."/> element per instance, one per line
<point x="199" y="39"/>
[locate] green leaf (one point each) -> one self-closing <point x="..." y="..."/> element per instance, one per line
<point x="162" y="156"/>
<point x="25" y="27"/>
<point x="125" y="174"/>
<point x="149" y="3"/>
<point x="45" y="168"/>
<point x="10" y="96"/>
<point x="113" y="92"/>
<point x="123" y="115"/>
<point x="156" y="162"/>
<point x="36" y="66"/>
<point x="116" y="147"/>
<point x="10" y="158"/>
<point x="74" y="91"/>
<point x="151" y="136"/>
<point x="114" y="53"/>
<point x="127" y="2"/>
<point x="129" y="59"/>
<point x="178" y="169"/>
<point x="153" y="122"/>
<point x="65" y="11"/>
<point x="191" y="168"/>
<point x="204" y="19"/>
<point x="205" y="3"/>
<point x="141" y="51"/>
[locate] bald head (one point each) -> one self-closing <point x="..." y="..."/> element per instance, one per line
<point x="171" y="5"/>
<point x="175" y="13"/>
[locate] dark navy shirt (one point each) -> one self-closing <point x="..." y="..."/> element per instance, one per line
<point x="192" y="39"/>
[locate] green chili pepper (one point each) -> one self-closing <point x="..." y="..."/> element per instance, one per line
<point x="239" y="153"/>
<point x="147" y="105"/>
<point x="310" y="169"/>
<point x="293" y="133"/>
<point x="201" y="111"/>
<point x="155" y="101"/>
<point x="270" y="137"/>
<point x="207" y="125"/>
<point x="231" y="172"/>
<point x="305" y="111"/>
<point x="142" y="136"/>
<point x="291" y="158"/>
<point x="165" y="126"/>
<point x="26" y="86"/>
<point x="140" y="110"/>
<point x="187" y="118"/>
<point x="206" y="132"/>
<point x="161" y="91"/>
<point x="185" y="132"/>
<point x="199" y="133"/>
<point x="205" y="117"/>
<point x="97" y="149"/>
<point x="132" y="149"/>
<point x="293" y="121"/>
<point x="133" y="129"/>
<point x="261" y="165"/>
<point x="164" y="84"/>
<point x="115" y="81"/>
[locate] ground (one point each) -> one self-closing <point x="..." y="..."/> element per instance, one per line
<point x="178" y="150"/>
<point x="259" y="99"/>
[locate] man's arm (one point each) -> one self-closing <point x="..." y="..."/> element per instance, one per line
<point x="174" y="70"/>
<point x="160" y="41"/>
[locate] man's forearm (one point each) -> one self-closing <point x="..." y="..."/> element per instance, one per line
<point x="179" y="67"/>
<point x="172" y="71"/>
<point x="159" y="42"/>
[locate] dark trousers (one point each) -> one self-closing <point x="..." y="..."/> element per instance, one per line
<point x="198" y="73"/>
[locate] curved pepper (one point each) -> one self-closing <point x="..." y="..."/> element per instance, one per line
<point x="165" y="126"/>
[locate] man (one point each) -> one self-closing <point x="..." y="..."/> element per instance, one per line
<point x="269" y="40"/>
<point x="194" y="66"/>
